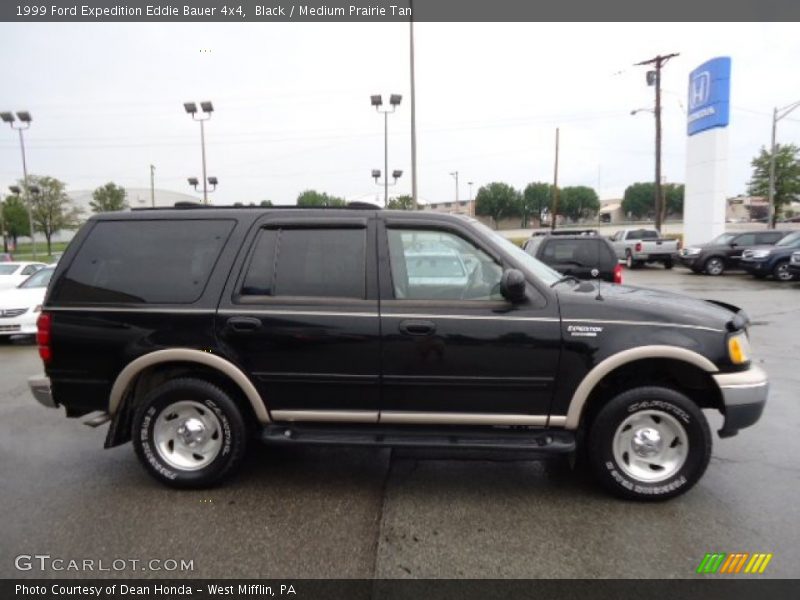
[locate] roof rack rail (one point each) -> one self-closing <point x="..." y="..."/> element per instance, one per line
<point x="186" y="204"/>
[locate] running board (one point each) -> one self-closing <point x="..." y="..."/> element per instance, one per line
<point x="97" y="420"/>
<point x="540" y="440"/>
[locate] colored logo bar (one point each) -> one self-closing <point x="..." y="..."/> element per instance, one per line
<point x="734" y="563"/>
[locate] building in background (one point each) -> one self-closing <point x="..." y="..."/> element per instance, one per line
<point x="462" y="207"/>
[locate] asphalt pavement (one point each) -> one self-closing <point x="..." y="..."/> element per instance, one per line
<point x="353" y="513"/>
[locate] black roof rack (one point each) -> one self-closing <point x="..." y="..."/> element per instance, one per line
<point x="185" y="204"/>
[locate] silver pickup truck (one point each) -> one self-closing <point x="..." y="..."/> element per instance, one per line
<point x="639" y="246"/>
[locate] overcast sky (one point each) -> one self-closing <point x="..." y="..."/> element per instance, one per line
<point x="293" y="112"/>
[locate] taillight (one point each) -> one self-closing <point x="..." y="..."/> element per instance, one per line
<point x="44" y="325"/>
<point x="618" y="273"/>
<point x="638" y="246"/>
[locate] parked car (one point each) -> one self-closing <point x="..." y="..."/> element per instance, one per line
<point x="585" y="257"/>
<point x="195" y="330"/>
<point x="640" y="246"/>
<point x="794" y="265"/>
<point x="14" y="273"/>
<point x="725" y="251"/>
<point x="762" y="261"/>
<point x="20" y="306"/>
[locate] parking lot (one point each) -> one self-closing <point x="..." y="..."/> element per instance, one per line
<point x="353" y="513"/>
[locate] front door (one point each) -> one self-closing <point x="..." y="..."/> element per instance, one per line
<point x="454" y="350"/>
<point x="302" y="318"/>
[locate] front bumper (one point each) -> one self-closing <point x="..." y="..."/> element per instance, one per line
<point x="754" y="267"/>
<point x="23" y="325"/>
<point x="40" y="388"/>
<point x="744" y="395"/>
<point x="687" y="260"/>
<point x="794" y="269"/>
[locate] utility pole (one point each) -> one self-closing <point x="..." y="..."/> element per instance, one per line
<point x="3" y="226"/>
<point x="413" y="112"/>
<point x="777" y="115"/>
<point x="455" y="175"/>
<point x="555" y="190"/>
<point x="152" y="186"/>
<point x="654" y="79"/>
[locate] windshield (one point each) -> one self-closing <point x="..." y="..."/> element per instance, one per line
<point x="536" y="268"/>
<point x="8" y="269"/>
<point x="790" y="240"/>
<point x="38" y="280"/>
<point x="723" y="239"/>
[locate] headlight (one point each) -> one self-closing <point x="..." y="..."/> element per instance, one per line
<point x="739" y="348"/>
<point x="760" y="253"/>
<point x="691" y="251"/>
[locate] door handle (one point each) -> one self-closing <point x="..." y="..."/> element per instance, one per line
<point x="244" y="324"/>
<point x="417" y="327"/>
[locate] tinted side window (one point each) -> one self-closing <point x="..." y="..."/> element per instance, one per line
<point x="769" y="238"/>
<point x="166" y="261"/>
<point x="746" y="239"/>
<point x="577" y="252"/>
<point x="308" y="262"/>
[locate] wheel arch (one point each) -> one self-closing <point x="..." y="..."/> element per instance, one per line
<point x="132" y="372"/>
<point x="630" y="359"/>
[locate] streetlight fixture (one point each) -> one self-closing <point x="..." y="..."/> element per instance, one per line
<point x="376" y="100"/>
<point x="207" y="108"/>
<point x="454" y="174"/>
<point x="376" y="175"/>
<point x="777" y="115"/>
<point x="212" y="181"/>
<point x="24" y="123"/>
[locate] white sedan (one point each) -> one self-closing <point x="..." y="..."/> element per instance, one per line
<point x="20" y="306"/>
<point x="14" y="273"/>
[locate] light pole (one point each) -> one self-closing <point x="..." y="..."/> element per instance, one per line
<point x="377" y="101"/>
<point x="777" y="115"/>
<point x="25" y="122"/>
<point x="454" y="174"/>
<point x="153" y="186"/>
<point x="376" y="175"/>
<point x="212" y="181"/>
<point x="207" y="108"/>
<point x="3" y="225"/>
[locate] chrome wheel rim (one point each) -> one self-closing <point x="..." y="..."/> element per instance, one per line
<point x="782" y="272"/>
<point x="650" y="446"/>
<point x="714" y="266"/>
<point x="187" y="435"/>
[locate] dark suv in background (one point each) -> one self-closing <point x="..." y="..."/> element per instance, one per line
<point x="725" y="251"/>
<point x="585" y="256"/>
<point x="763" y="261"/>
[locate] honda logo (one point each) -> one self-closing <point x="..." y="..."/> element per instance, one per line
<point x="699" y="89"/>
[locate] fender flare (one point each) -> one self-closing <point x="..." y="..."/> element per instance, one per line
<point x="606" y="366"/>
<point x="186" y="355"/>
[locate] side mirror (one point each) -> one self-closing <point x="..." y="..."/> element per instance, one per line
<point x="512" y="285"/>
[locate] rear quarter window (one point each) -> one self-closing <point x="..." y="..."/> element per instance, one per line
<point x="165" y="261"/>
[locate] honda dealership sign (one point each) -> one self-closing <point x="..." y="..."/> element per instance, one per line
<point x="709" y="95"/>
<point x="707" y="151"/>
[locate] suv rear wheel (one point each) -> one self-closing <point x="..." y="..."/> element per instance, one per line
<point x="649" y="443"/>
<point x="189" y="433"/>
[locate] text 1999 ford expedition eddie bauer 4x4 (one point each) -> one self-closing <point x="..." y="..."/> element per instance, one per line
<point x="196" y="329"/>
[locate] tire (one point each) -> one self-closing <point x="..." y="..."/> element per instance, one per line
<point x="781" y="272"/>
<point x="166" y="449"/>
<point x="714" y="266"/>
<point x="647" y="417"/>
<point x="629" y="262"/>
<point x="668" y="264"/>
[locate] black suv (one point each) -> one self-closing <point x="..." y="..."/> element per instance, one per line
<point x="725" y="251"/>
<point x="585" y="256"/>
<point x="194" y="330"/>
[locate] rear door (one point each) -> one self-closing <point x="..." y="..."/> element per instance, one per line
<point x="301" y="317"/>
<point x="454" y="351"/>
<point x="738" y="245"/>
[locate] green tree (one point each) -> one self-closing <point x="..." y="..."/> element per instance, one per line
<point x="315" y="198"/>
<point x="109" y="198"/>
<point x="52" y="208"/>
<point x="536" y="197"/>
<point x="404" y="202"/>
<point x="639" y="200"/>
<point x="498" y="201"/>
<point x="266" y="203"/>
<point x="15" y="217"/>
<point x="673" y="195"/>
<point x="578" y="202"/>
<point x="787" y="176"/>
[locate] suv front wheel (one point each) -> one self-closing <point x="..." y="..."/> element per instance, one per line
<point x="649" y="443"/>
<point x="189" y="433"/>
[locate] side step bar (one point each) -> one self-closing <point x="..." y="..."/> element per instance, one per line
<point x="540" y="440"/>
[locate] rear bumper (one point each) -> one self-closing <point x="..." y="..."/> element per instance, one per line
<point x="744" y="395"/>
<point x="40" y="388"/>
